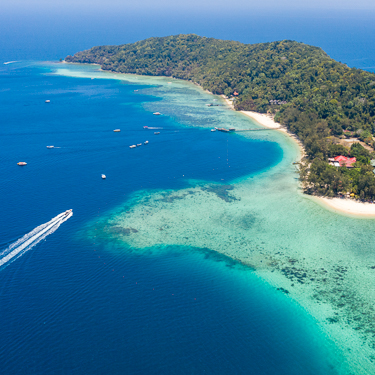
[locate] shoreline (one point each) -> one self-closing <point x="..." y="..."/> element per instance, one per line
<point x="341" y="206"/>
<point x="268" y="122"/>
<point x="349" y="207"/>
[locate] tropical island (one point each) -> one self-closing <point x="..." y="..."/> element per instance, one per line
<point x="327" y="105"/>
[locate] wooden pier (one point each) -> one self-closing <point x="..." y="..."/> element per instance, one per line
<point x="244" y="130"/>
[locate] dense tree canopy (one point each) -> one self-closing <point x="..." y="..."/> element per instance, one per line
<point x="316" y="97"/>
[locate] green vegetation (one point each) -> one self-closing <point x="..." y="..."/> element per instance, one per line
<point x="317" y="98"/>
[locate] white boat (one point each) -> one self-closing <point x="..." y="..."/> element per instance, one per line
<point x="22" y="163"/>
<point x="67" y="212"/>
<point x="213" y="130"/>
<point x="139" y="144"/>
<point x="156" y="113"/>
<point x="133" y="146"/>
<point x="48" y="101"/>
<point x="156" y="132"/>
<point x="104" y="176"/>
<point x="50" y="146"/>
<point x="117" y="130"/>
<point x="146" y="142"/>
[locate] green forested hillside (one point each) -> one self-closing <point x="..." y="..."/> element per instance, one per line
<point x="316" y="97"/>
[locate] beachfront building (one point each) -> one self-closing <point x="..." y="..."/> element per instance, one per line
<point x="342" y="161"/>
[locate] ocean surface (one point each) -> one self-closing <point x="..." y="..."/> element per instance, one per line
<point x="197" y="254"/>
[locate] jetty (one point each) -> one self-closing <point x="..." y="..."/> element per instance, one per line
<point x="230" y="130"/>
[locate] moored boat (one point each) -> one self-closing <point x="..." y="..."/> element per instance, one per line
<point x="48" y="101"/>
<point x="132" y="146"/>
<point x="21" y="163"/>
<point x="156" y="113"/>
<point x="156" y="132"/>
<point x="139" y="144"/>
<point x="50" y="146"/>
<point x="117" y="130"/>
<point x="213" y="130"/>
<point x="146" y="142"/>
<point x="104" y="176"/>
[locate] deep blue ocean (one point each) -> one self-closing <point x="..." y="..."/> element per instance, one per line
<point x="71" y="306"/>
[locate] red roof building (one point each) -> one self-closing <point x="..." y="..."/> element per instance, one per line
<point x="235" y="93"/>
<point x="345" y="162"/>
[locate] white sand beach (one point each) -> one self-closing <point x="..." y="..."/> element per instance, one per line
<point x="348" y="206"/>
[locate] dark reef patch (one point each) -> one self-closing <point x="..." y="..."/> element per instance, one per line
<point x="222" y="191"/>
<point x="121" y="230"/>
<point x="171" y="197"/>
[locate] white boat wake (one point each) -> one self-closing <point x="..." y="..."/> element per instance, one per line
<point x="10" y="62"/>
<point x="29" y="240"/>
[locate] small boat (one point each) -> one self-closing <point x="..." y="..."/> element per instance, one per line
<point x="21" y="163"/>
<point x="139" y="144"/>
<point x="208" y="105"/>
<point x="117" y="130"/>
<point x="145" y="127"/>
<point x="50" y="146"/>
<point x="104" y="176"/>
<point x="146" y="142"/>
<point x="213" y="130"/>
<point x="232" y="129"/>
<point x="156" y="132"/>
<point x="135" y="90"/>
<point x="156" y="113"/>
<point x="67" y="212"/>
<point x="132" y="146"/>
<point x="223" y="130"/>
<point x="48" y="101"/>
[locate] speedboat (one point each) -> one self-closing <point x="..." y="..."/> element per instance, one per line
<point x="104" y="176"/>
<point x="67" y="212"/>
<point x="145" y="127"/>
<point x="157" y="113"/>
<point x="21" y="163"/>
<point x="133" y="146"/>
<point x="156" y="132"/>
<point x="50" y="146"/>
<point x="146" y="142"/>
